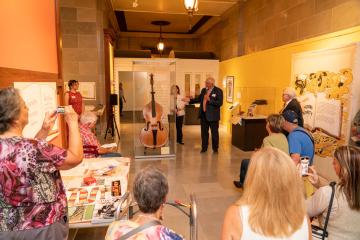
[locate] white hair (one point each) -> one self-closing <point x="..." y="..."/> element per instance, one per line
<point x="290" y="91"/>
<point x="211" y="79"/>
<point x="88" y="117"/>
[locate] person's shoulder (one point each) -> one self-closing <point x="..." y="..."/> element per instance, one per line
<point x="218" y="89"/>
<point x="169" y="233"/>
<point x="324" y="192"/>
<point x="119" y="228"/>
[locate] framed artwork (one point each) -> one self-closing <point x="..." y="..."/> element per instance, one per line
<point x="197" y="84"/>
<point x="229" y="89"/>
<point x="187" y="84"/>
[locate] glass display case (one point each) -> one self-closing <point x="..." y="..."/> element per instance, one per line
<point x="154" y="107"/>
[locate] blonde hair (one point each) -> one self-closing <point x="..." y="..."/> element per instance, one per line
<point x="273" y="192"/>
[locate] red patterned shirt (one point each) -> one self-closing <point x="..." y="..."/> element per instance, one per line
<point x="32" y="194"/>
<point x="89" y="139"/>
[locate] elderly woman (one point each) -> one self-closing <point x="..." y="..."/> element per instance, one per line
<point x="275" y="139"/>
<point x="345" y="211"/>
<point x="150" y="190"/>
<point x="87" y="123"/>
<point x="32" y="196"/>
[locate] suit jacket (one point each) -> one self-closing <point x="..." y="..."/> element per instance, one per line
<point x="295" y="106"/>
<point x="212" y="107"/>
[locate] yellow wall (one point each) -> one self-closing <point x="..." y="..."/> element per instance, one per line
<point x="265" y="74"/>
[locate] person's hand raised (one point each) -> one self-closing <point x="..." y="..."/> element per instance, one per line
<point x="313" y="176"/>
<point x="49" y="121"/>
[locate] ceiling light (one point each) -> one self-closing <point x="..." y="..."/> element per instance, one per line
<point x="161" y="45"/>
<point x="191" y="6"/>
<point x="135" y="4"/>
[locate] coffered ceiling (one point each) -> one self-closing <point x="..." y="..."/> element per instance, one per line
<point x="138" y="19"/>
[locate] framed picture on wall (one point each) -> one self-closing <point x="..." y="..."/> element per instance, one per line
<point x="197" y="79"/>
<point x="229" y="89"/>
<point x="187" y="79"/>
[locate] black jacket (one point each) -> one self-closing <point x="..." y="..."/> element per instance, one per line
<point x="295" y="106"/>
<point x="212" y="107"/>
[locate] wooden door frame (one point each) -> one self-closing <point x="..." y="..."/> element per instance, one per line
<point x="109" y="38"/>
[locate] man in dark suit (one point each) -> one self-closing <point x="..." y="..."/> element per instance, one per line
<point x="210" y="99"/>
<point x="291" y="103"/>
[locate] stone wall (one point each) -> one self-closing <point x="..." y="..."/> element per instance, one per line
<point x="264" y="24"/>
<point x="82" y="24"/>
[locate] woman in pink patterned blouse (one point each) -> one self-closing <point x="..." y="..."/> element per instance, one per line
<point x="32" y="196"/>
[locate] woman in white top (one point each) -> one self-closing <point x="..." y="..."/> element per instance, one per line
<point x="345" y="212"/>
<point x="180" y="113"/>
<point x="272" y="205"/>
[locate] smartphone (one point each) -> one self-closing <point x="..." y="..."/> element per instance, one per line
<point x="60" y="110"/>
<point x="304" y="165"/>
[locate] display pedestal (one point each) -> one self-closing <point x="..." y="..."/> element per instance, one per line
<point x="249" y="134"/>
<point x="192" y="115"/>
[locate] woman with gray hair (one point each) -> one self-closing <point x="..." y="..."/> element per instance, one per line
<point x="92" y="146"/>
<point x="150" y="190"/>
<point x="32" y="196"/>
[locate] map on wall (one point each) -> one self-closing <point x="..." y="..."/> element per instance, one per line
<point x="40" y="97"/>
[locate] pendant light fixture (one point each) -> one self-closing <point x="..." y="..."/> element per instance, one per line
<point x="191" y="7"/>
<point x="161" y="45"/>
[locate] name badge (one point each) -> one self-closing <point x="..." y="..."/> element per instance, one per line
<point x="213" y="95"/>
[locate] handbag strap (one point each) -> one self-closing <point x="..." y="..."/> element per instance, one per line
<point x="139" y="229"/>
<point x="332" y="184"/>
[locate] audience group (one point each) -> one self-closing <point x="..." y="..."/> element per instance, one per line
<point x="273" y="204"/>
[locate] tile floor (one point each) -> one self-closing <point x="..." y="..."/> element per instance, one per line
<point x="209" y="175"/>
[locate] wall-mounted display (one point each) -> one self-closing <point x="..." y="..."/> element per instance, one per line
<point x="187" y="79"/>
<point x="229" y="89"/>
<point x="325" y="86"/>
<point x="197" y="80"/>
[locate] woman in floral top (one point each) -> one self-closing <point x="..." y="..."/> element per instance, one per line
<point x="150" y="190"/>
<point x="32" y="197"/>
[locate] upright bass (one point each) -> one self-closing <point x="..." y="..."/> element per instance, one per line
<point x="154" y="134"/>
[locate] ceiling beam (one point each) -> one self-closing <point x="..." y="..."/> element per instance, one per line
<point x="156" y="35"/>
<point x="199" y="24"/>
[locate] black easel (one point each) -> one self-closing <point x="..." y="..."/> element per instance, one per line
<point x="111" y="120"/>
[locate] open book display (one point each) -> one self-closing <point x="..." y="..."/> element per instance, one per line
<point x="322" y="113"/>
<point x="324" y="97"/>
